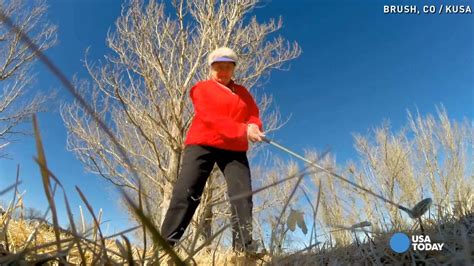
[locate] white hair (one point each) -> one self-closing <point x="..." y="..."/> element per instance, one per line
<point x="222" y="52"/>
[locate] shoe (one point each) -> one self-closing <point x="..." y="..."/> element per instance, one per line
<point x="256" y="255"/>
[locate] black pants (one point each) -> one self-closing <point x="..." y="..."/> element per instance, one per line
<point x="198" y="162"/>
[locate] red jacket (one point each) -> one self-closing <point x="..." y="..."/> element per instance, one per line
<point x="221" y="116"/>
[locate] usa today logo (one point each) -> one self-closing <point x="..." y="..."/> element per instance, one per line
<point x="400" y="243"/>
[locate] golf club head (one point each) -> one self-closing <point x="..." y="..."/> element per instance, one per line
<point x="420" y="208"/>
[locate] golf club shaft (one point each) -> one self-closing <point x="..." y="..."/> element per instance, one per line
<point x="333" y="174"/>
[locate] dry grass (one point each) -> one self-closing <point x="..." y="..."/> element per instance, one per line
<point x="41" y="246"/>
<point x="458" y="237"/>
<point x="39" y="241"/>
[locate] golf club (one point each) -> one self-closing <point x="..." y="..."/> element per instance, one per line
<point x="417" y="211"/>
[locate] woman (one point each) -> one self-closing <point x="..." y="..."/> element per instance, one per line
<point x="226" y="117"/>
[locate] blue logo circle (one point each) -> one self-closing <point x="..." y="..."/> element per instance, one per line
<point x="399" y="242"/>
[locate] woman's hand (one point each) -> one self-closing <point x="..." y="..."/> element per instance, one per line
<point x="253" y="133"/>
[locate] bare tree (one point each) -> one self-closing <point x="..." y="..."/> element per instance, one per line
<point x="16" y="59"/>
<point x="429" y="157"/>
<point x="142" y="89"/>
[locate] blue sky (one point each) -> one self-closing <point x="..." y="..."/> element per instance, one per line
<point x="358" y="67"/>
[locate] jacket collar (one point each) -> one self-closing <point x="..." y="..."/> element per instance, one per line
<point x="229" y="86"/>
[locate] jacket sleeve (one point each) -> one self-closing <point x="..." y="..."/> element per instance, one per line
<point x="254" y="117"/>
<point x="223" y="125"/>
